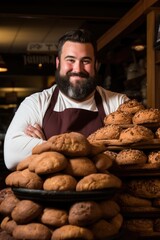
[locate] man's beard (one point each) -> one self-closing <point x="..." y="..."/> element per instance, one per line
<point x="79" y="90"/>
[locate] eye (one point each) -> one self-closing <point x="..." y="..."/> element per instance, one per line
<point x="70" y="60"/>
<point x="86" y="61"/>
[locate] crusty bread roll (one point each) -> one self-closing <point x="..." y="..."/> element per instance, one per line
<point x="129" y="200"/>
<point x="111" y="131"/>
<point x="84" y="213"/>
<point x="131" y="156"/>
<point x="54" y="217"/>
<point x="149" y="115"/>
<point x="131" y="106"/>
<point x="8" y="204"/>
<point x="60" y="182"/>
<point x="118" y="117"/>
<point x="48" y="162"/>
<point x="145" y="188"/>
<point x="157" y="133"/>
<point x="154" y="157"/>
<point x="109" y="208"/>
<point x="96" y="148"/>
<point x="25" y="163"/>
<point x="5" y="192"/>
<point x="80" y="166"/>
<point x="71" y="144"/>
<point x="24" y="179"/>
<point x="8" y="225"/>
<point x="25" y="211"/>
<point x="32" y="231"/>
<point x="72" y="232"/>
<point x="99" y="181"/>
<point x="135" y="134"/>
<point x="102" y="162"/>
<point x="139" y="225"/>
<point x="103" y="229"/>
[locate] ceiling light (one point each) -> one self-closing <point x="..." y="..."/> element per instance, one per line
<point x="3" y="67"/>
<point x="138" y="47"/>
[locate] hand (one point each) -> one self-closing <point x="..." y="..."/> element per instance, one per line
<point x="35" y="131"/>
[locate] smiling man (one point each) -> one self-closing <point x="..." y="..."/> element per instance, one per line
<point x="74" y="103"/>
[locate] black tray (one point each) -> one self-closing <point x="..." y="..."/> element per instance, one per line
<point x="137" y="171"/>
<point x="63" y="196"/>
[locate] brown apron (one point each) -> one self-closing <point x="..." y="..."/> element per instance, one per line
<point x="72" y="119"/>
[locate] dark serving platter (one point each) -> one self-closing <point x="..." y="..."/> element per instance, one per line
<point x="63" y="196"/>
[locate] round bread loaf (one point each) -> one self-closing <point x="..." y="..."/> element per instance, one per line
<point x="5" y="192"/>
<point x="48" y="162"/>
<point x="109" y="208"/>
<point x="25" y="211"/>
<point x="54" y="217"/>
<point x="102" y="162"/>
<point x="131" y="106"/>
<point x="24" y="179"/>
<point x="96" y="148"/>
<point x="43" y="147"/>
<point x="111" y="154"/>
<point x="71" y="144"/>
<point x="5" y="236"/>
<point x="128" y="200"/>
<point x="111" y="131"/>
<point x="145" y="188"/>
<point x="32" y="231"/>
<point x="84" y="213"/>
<point x="131" y="156"/>
<point x="97" y="181"/>
<point x="157" y="133"/>
<point x="154" y="157"/>
<point x="80" y="167"/>
<point x="60" y="182"/>
<point x="149" y="115"/>
<point x="118" y="117"/>
<point x="139" y="225"/>
<point x="8" y="225"/>
<point x="8" y="204"/>
<point x="72" y="232"/>
<point x="103" y="229"/>
<point x="25" y="162"/>
<point x="135" y="134"/>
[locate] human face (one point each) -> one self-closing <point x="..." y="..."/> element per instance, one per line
<point x="76" y="76"/>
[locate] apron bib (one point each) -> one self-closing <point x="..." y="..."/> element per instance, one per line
<point x="72" y="119"/>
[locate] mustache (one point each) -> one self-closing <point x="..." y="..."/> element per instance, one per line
<point x="80" y="74"/>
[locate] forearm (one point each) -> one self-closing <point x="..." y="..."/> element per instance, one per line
<point x="18" y="148"/>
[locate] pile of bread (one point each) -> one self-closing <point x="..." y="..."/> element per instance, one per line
<point x="127" y="129"/>
<point x="140" y="206"/>
<point x="128" y="125"/>
<point x="66" y="162"/>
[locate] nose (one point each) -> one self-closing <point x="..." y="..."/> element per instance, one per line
<point x="78" y="66"/>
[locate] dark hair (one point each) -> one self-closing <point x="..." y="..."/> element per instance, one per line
<point x="78" y="35"/>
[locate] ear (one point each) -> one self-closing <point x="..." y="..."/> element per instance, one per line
<point x="57" y="62"/>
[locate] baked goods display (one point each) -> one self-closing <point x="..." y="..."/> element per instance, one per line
<point x="67" y="164"/>
<point x="136" y="160"/>
<point x="123" y="155"/>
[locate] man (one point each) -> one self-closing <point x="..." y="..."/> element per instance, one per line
<point x="74" y="103"/>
